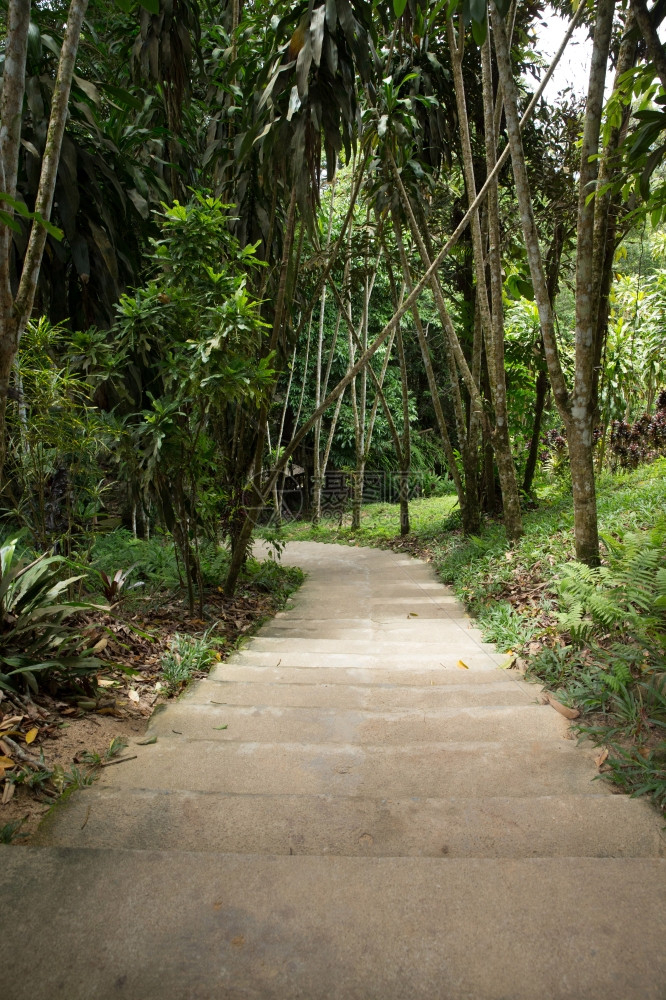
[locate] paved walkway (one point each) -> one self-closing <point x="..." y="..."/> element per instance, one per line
<point x="359" y="805"/>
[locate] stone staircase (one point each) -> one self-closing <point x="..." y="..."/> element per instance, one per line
<point x="359" y="805"/>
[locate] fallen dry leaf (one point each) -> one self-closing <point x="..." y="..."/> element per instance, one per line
<point x="602" y="757"/>
<point x="461" y="665"/>
<point x="568" y="713"/>
<point x="134" y="695"/>
<point x="32" y="735"/>
<point x="11" y="721"/>
<point x="8" y="791"/>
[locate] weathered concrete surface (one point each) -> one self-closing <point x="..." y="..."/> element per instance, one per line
<point x="387" y="815"/>
<point x="491" y="827"/>
<point x="191" y="926"/>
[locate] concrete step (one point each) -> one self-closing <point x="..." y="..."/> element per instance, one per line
<point x="426" y="632"/>
<point x="455" y="637"/>
<point x="425" y="770"/>
<point x="500" y="827"/>
<point x="371" y="697"/>
<point x="510" y="725"/>
<point x="447" y="657"/>
<point x="241" y="668"/>
<point x="328" y="928"/>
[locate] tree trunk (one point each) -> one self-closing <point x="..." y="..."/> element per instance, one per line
<point x="467" y="498"/>
<point x="541" y="388"/>
<point x="576" y="410"/>
<point x="652" y="40"/>
<point x="15" y="314"/>
<point x="493" y="324"/>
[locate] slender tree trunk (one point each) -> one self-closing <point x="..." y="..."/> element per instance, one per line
<point x="316" y="510"/>
<point x="467" y="497"/>
<point x="533" y="454"/>
<point x="493" y="324"/>
<point x="15" y="314"/>
<point x="581" y="430"/>
<point x="576" y="410"/>
<point x="456" y="360"/>
<point x="239" y="545"/>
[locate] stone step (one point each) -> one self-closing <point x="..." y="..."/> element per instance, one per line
<point x="500" y="827"/>
<point x="242" y="669"/>
<point x="422" y="607"/>
<point x="374" y="697"/>
<point x="447" y="657"/>
<point x="427" y="632"/>
<point x="510" y="725"/>
<point x="425" y="770"/>
<point x="328" y="928"/>
<point x="460" y="641"/>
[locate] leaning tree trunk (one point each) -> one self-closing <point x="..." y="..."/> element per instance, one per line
<point x="465" y="491"/>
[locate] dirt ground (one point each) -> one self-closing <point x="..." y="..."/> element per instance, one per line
<point x="55" y="740"/>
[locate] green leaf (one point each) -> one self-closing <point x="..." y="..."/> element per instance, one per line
<point x="479" y="31"/>
<point x="478" y="10"/>
<point x="399" y="7"/>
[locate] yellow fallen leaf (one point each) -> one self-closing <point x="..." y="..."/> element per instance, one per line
<point x="462" y="666"/>
<point x="32" y="735"/>
<point x="6" y="762"/>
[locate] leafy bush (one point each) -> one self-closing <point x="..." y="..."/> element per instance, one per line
<point x="36" y="633"/>
<point x="641" y="441"/>
<point x="627" y="596"/>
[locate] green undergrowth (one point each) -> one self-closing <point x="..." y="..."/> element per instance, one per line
<point x="594" y="637"/>
<point x="151" y="566"/>
<point x="380" y="523"/>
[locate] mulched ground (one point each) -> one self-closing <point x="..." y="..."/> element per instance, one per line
<point x="44" y="737"/>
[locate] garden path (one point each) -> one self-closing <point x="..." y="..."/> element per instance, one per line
<point x="359" y="805"/>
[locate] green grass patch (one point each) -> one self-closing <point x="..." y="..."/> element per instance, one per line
<point x="380" y="523"/>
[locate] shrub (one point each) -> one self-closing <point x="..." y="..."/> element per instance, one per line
<point x="37" y="633"/>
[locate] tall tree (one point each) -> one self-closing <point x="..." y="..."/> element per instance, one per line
<point x="16" y="304"/>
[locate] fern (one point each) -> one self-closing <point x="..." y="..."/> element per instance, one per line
<point x="625" y="597"/>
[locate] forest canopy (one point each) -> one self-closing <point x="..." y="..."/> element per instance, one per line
<point x="258" y="259"/>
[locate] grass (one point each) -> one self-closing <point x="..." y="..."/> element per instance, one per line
<point x="185" y="656"/>
<point x="380" y="523"/>
<point x="615" y="675"/>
